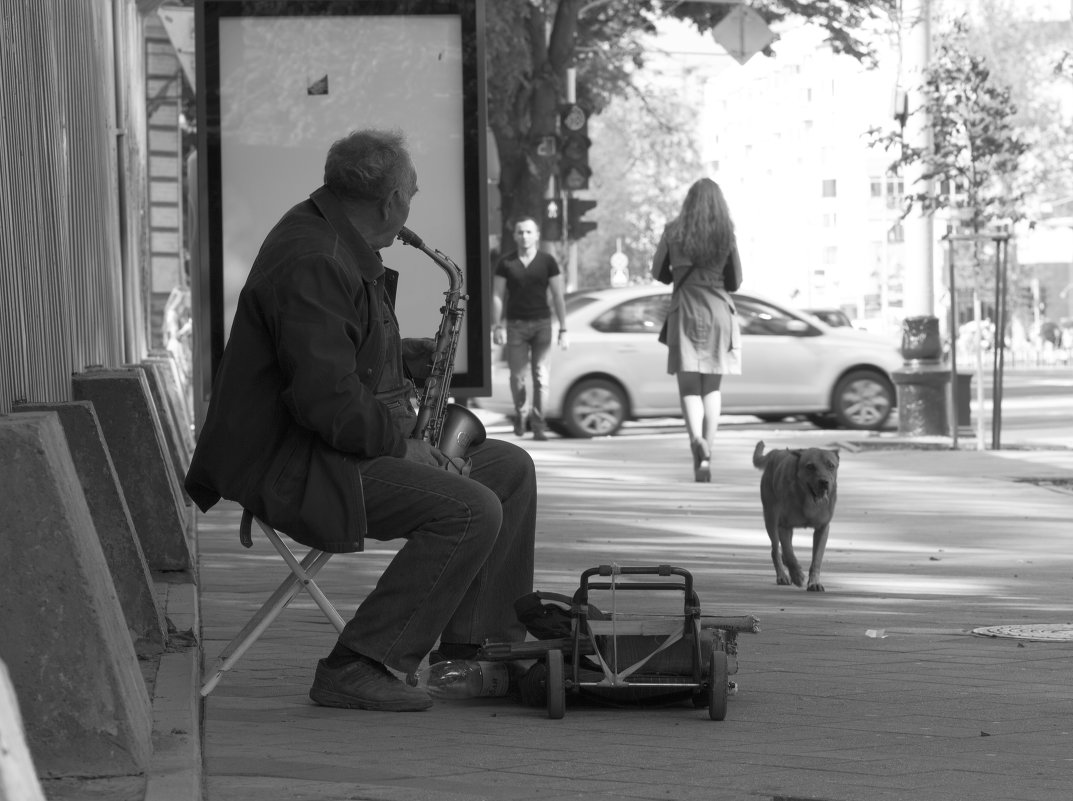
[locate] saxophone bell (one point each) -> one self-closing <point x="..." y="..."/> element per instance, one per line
<point x="461" y="430"/>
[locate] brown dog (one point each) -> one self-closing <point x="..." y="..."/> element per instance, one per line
<point x="799" y="488"/>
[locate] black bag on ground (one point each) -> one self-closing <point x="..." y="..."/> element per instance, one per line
<point x="547" y="616"/>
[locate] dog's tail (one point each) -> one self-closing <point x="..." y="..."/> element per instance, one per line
<point x="759" y="457"/>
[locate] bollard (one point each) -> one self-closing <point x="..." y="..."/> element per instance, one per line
<point x="132" y="431"/>
<point x="63" y="637"/>
<point x="171" y="427"/>
<point x="111" y="519"/>
<point x="178" y="387"/>
<point x="18" y="777"/>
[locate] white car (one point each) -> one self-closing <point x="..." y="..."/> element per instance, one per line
<point x="792" y="364"/>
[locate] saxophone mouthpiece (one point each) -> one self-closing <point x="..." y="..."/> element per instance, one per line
<point x="408" y="237"/>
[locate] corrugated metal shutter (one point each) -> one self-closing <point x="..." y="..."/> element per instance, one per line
<point x="71" y="215"/>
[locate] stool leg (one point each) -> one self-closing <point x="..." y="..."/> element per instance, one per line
<point x="304" y="577"/>
<point x="277" y="602"/>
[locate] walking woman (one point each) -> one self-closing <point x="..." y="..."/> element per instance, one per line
<point x="698" y="253"/>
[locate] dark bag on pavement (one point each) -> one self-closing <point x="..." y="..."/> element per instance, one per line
<point x="547" y="615"/>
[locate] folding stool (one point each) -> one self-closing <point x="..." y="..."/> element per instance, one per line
<point x="301" y="577"/>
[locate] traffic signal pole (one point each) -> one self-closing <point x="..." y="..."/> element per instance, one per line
<point x="919" y="290"/>
<point x="571" y="244"/>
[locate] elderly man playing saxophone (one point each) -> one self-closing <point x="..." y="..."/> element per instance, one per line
<point x="309" y="427"/>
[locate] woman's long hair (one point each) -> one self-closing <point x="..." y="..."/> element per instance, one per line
<point x="703" y="228"/>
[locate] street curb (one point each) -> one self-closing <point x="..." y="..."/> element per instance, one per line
<point x="175" y="772"/>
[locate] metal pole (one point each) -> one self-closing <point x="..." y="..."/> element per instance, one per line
<point x="1000" y="341"/>
<point x="919" y="291"/>
<point x="570" y="244"/>
<point x="953" y="343"/>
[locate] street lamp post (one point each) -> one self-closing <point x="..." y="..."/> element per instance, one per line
<point x="922" y="383"/>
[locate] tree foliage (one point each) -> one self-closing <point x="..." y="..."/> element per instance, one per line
<point x="646" y="158"/>
<point x="971" y="167"/>
<point x="1031" y="57"/>
<point x="531" y="43"/>
<point x="973" y="158"/>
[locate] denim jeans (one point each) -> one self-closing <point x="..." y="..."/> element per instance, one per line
<point x="529" y="351"/>
<point x="468" y="554"/>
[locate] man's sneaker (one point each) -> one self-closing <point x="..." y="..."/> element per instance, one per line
<point x="364" y="684"/>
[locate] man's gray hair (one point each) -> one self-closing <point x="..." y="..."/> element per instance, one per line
<point x="368" y="165"/>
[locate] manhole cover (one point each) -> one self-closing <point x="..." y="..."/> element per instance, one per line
<point x="1048" y="632"/>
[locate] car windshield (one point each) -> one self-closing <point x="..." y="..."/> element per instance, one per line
<point x="575" y="301"/>
<point x="763" y="319"/>
<point x="637" y="316"/>
<point x="836" y="318"/>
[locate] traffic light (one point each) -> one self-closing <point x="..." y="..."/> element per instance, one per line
<point x="574" y="169"/>
<point x="575" y="210"/>
<point x="551" y="223"/>
<point x="1028" y="299"/>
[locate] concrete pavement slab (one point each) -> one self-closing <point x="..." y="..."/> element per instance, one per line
<point x="925" y="547"/>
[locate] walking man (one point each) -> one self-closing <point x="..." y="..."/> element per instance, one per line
<point x="523" y="281"/>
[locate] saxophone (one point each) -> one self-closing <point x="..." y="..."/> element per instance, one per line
<point x="450" y="427"/>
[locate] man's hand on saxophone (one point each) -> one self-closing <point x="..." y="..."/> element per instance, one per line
<point x="417" y="354"/>
<point x="420" y="451"/>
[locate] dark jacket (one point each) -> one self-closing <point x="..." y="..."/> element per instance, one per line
<point x="293" y="407"/>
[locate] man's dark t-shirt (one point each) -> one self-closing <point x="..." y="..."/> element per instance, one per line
<point x="527" y="287"/>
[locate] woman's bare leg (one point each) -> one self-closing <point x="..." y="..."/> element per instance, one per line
<point x="693" y="410"/>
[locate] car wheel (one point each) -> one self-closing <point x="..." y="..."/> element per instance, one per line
<point x="594" y="407"/>
<point x="863" y="399"/>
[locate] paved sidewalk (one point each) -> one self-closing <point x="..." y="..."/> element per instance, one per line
<point x="926" y="545"/>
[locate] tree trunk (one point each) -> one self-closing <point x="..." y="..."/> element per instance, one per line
<point x="524" y="173"/>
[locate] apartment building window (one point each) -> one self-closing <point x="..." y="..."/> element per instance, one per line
<point x="830" y="220"/>
<point x="829" y="189"/>
<point x="876" y="187"/>
<point x="896" y="233"/>
<point x="830" y="255"/>
<point x="895" y="190"/>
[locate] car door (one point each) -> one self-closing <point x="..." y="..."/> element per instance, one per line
<point x="781" y="362"/>
<point x="633" y="354"/>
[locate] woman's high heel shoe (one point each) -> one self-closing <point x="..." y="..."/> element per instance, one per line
<point x="702" y="470"/>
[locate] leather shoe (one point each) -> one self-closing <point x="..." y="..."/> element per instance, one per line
<point x="365" y="684"/>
